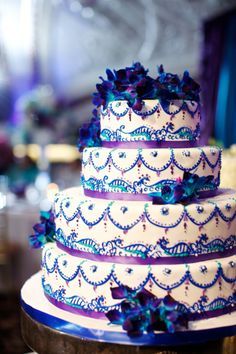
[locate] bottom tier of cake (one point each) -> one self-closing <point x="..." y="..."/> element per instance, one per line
<point x="40" y="311"/>
<point x="204" y="289"/>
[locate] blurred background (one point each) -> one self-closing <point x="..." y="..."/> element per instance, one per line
<point x="51" y="55"/>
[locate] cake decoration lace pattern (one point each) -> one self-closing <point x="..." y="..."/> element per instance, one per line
<point x="149" y="134"/>
<point x="96" y="275"/>
<point x="115" y="247"/>
<point x="114" y="159"/>
<point x="81" y="209"/>
<point x="199" y="307"/>
<point x="115" y="108"/>
<point x="141" y="186"/>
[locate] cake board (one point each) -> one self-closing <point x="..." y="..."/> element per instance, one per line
<point x="59" y="327"/>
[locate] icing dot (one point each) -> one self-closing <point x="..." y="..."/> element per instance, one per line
<point x="122" y="155"/>
<point x="186" y="153"/>
<point x="93" y="268"/>
<point x="154" y="153"/>
<point x="203" y="269"/>
<point x="129" y="270"/>
<point x="228" y="207"/>
<point x="165" y="211"/>
<point x="64" y="263"/>
<point x="200" y="209"/>
<point x="213" y="152"/>
<point x="232" y="264"/>
<point x="124" y="209"/>
<point x="167" y="271"/>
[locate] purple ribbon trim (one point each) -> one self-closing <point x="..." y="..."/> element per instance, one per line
<point x="117" y="196"/>
<point x="77" y="311"/>
<point x="135" y="197"/>
<point x="146" y="261"/>
<point x="149" y="144"/>
<point x="101" y="316"/>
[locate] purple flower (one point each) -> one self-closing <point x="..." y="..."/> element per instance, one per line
<point x="170" y="87"/>
<point x="134" y="85"/>
<point x="115" y="317"/>
<point x="44" y="231"/>
<point x="89" y="134"/>
<point x="189" y="89"/>
<point x="183" y="190"/>
<point x="171" y="315"/>
<point x="141" y="311"/>
<point x="131" y="84"/>
<point x="121" y="292"/>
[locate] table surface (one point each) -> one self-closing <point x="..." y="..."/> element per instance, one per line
<point x="45" y="340"/>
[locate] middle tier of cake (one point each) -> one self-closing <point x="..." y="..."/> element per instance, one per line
<point x="144" y="233"/>
<point x="143" y="171"/>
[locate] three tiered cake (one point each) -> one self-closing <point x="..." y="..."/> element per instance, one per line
<point x="149" y="239"/>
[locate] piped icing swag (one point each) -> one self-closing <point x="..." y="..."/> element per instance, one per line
<point x="134" y="85"/>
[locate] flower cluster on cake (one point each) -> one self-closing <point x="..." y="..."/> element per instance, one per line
<point x="148" y="242"/>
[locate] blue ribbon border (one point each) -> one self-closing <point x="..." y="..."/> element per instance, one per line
<point x="163" y="339"/>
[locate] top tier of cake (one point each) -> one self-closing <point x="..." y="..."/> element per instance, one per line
<point x="175" y="122"/>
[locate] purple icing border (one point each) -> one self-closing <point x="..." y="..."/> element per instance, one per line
<point x="146" y="261"/>
<point x="135" y="197"/>
<point x="102" y="316"/>
<point x="149" y="144"/>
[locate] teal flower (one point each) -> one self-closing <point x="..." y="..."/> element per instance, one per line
<point x="44" y="231"/>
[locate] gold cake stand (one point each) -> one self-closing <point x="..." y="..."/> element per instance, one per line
<point x="45" y="340"/>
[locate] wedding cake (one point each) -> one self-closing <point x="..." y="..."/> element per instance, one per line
<point x="147" y="243"/>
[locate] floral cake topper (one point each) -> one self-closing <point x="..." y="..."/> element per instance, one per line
<point x="44" y="230"/>
<point x="134" y="85"/>
<point x="141" y="312"/>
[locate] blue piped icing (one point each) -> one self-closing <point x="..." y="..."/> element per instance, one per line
<point x="96" y="274"/>
<point x="76" y="301"/>
<point x="117" y="159"/>
<point x="148" y="134"/>
<point x="161" y="248"/>
<point x="202" y="305"/>
<point x="180" y="105"/>
<point x="141" y="186"/>
<point x="81" y="208"/>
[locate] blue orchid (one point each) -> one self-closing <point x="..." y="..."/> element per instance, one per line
<point x="134" y="85"/>
<point x="131" y="84"/>
<point x="89" y="133"/>
<point x="44" y="231"/>
<point x="141" y="311"/>
<point x="183" y="190"/>
<point x="171" y="87"/>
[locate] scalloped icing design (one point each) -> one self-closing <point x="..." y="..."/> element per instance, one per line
<point x="140" y="229"/>
<point x="121" y="123"/>
<point x="141" y="170"/>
